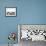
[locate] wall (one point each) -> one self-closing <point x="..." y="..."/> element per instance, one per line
<point x="28" y="12"/>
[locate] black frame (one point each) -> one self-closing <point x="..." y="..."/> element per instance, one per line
<point x="11" y="7"/>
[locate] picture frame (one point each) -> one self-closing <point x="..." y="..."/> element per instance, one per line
<point x="37" y="29"/>
<point x="10" y="11"/>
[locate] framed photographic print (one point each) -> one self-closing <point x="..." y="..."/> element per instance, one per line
<point x="10" y="11"/>
<point x="33" y="32"/>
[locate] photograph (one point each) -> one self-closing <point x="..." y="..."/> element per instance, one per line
<point x="11" y="11"/>
<point x="29" y="34"/>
